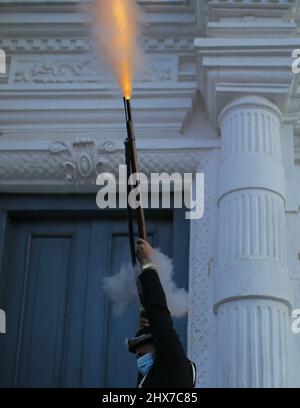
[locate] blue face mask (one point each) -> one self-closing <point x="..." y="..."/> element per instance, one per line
<point x="144" y="363"/>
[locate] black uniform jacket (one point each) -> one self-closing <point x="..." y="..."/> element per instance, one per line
<point x="171" y="367"/>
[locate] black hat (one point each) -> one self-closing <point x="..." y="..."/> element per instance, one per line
<point x="142" y="336"/>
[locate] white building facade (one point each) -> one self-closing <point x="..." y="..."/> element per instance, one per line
<point x="217" y="95"/>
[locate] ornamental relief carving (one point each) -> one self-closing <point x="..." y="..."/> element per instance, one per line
<point x="201" y="274"/>
<point x="76" y="163"/>
<point x="68" y="70"/>
<point x="80" y="160"/>
<point x="55" y="71"/>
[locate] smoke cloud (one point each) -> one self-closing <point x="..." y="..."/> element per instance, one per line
<point x="177" y="298"/>
<point x="121" y="288"/>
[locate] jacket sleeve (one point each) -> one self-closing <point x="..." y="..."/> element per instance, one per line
<point x="166" y="341"/>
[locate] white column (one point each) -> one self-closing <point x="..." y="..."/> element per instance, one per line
<point x="252" y="293"/>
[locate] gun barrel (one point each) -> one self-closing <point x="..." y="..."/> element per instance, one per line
<point x="134" y="165"/>
<point x="128" y="112"/>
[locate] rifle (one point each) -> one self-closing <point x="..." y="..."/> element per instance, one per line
<point x="133" y="168"/>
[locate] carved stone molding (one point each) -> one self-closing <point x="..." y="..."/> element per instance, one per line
<point x="54" y="71"/>
<point x="200" y="337"/>
<point x="250" y="18"/>
<point x="80" y="70"/>
<point x="297" y="148"/>
<point x="80" y="160"/>
<point x="65" y="163"/>
<point x="82" y="44"/>
<point x="257" y="8"/>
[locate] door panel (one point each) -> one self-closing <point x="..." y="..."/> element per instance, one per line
<point x="45" y="295"/>
<point x="61" y="331"/>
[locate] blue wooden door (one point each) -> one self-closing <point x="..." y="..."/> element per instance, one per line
<point x="60" y="328"/>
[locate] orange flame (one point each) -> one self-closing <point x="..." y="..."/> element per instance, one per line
<point x="115" y="23"/>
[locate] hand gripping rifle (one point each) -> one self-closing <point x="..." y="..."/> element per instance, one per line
<point x="133" y="168"/>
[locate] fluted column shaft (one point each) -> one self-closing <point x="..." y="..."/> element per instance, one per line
<point x="252" y="292"/>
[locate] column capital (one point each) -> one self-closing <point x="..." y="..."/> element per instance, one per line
<point x="249" y="102"/>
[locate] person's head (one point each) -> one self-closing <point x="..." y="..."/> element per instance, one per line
<point x="141" y="343"/>
<point x="142" y="346"/>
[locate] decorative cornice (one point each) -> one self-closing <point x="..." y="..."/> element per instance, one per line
<point x="166" y="16"/>
<point x="93" y="106"/>
<point x="78" y="44"/>
<point x="231" y="67"/>
<point x="257" y="8"/>
<point x="153" y="5"/>
<point x="244" y="18"/>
